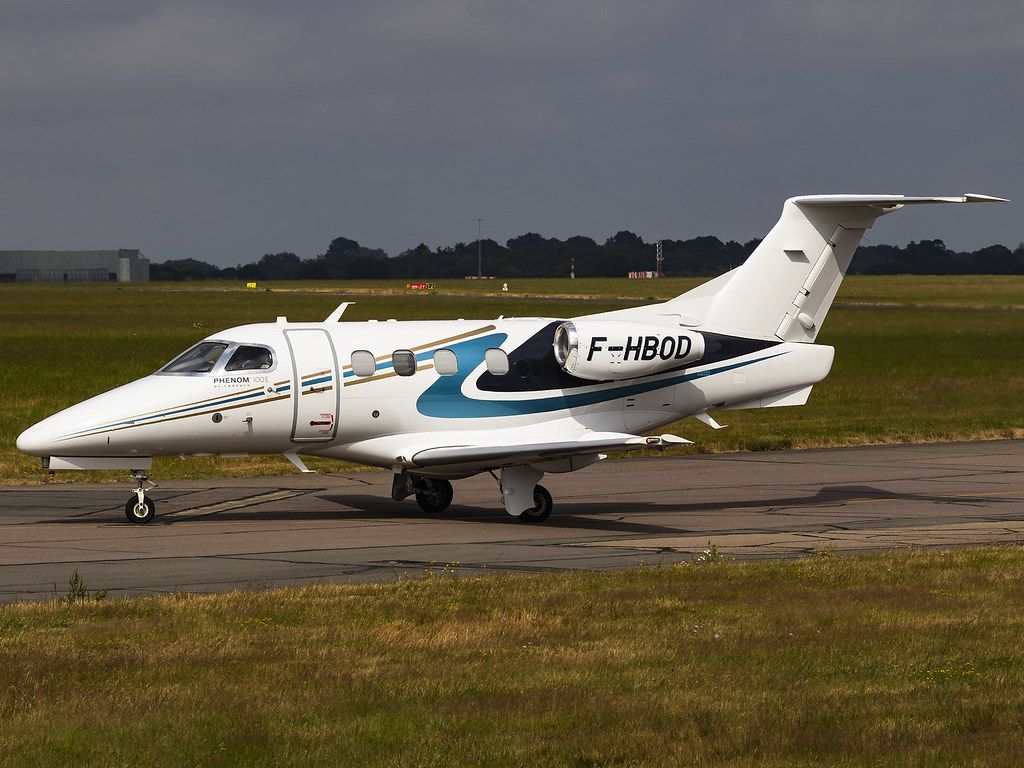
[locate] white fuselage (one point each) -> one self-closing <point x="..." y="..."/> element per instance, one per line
<point x="446" y="399"/>
<point x="297" y="406"/>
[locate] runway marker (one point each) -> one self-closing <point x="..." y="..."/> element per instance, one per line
<point x="248" y="501"/>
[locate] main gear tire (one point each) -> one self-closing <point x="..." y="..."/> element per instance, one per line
<point x="436" y="496"/>
<point x="542" y="506"/>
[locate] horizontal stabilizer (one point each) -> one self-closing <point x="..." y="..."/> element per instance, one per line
<point x="885" y="201"/>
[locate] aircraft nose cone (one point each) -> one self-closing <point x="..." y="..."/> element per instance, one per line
<point x="35" y="441"/>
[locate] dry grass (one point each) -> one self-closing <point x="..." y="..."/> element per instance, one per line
<point x="899" y="659"/>
<point x="912" y="370"/>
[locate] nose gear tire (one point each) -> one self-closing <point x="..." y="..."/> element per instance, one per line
<point x="139" y="513"/>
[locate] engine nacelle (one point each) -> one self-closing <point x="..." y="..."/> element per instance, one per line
<point x="607" y="349"/>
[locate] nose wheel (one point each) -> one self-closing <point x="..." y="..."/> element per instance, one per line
<point x="139" y="507"/>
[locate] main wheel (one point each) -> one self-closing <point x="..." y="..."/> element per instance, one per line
<point x="139" y="513"/>
<point x="436" y="497"/>
<point x="542" y="506"/>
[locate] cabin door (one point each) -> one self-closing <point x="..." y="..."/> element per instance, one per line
<point x="316" y="387"/>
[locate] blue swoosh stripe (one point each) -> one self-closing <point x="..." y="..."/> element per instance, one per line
<point x="444" y="398"/>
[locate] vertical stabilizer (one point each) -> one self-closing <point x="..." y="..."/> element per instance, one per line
<point x="787" y="285"/>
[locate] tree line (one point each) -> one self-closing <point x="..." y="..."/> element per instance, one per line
<point x="532" y="255"/>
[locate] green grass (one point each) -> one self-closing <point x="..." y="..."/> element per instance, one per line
<point x="898" y="659"/>
<point x="937" y="290"/>
<point x="962" y="290"/>
<point x="917" y="358"/>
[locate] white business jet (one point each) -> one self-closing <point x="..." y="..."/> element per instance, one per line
<point x="435" y="401"/>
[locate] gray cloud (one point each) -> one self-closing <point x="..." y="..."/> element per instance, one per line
<point x="221" y="130"/>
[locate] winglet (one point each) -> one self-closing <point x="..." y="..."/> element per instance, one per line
<point x="675" y="440"/>
<point x="973" y="198"/>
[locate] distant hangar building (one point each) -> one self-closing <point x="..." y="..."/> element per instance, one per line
<point x="126" y="265"/>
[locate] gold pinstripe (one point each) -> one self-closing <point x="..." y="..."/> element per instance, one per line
<point x="182" y="416"/>
<point x="422" y="367"/>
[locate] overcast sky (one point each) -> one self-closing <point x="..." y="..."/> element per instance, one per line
<point x="223" y="130"/>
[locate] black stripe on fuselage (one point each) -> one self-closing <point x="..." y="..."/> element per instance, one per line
<point x="533" y="368"/>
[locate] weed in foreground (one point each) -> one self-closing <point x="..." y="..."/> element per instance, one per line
<point x="711" y="555"/>
<point x="78" y="592"/>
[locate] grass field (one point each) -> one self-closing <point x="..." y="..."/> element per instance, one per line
<point x="918" y="358"/>
<point x="893" y="660"/>
<point x="989" y="291"/>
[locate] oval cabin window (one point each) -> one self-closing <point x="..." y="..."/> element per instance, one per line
<point x="363" y="363"/>
<point x="404" y="362"/>
<point x="446" y="363"/>
<point x="497" y="361"/>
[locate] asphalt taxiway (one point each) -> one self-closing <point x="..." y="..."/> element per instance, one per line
<point x="214" y="535"/>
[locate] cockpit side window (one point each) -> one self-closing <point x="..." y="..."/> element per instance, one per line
<point x="247" y="358"/>
<point x="199" y="359"/>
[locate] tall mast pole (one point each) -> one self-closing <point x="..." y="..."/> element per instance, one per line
<point x="479" y="248"/>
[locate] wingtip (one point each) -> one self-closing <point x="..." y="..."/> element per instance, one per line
<point x="972" y="197"/>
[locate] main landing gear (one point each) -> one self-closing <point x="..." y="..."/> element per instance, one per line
<point x="139" y="507"/>
<point x="435" y="496"/>
<point x="523" y="498"/>
<point x="432" y="494"/>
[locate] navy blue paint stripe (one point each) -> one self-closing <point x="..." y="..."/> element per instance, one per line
<point x="444" y="398"/>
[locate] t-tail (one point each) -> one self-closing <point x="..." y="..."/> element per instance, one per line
<point x="786" y="286"/>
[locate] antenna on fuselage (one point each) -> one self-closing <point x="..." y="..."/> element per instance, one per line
<point x="335" y="316"/>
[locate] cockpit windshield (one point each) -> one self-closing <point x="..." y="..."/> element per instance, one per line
<point x="199" y="359"/>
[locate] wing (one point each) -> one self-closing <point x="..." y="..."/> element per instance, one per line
<point x="494" y="456"/>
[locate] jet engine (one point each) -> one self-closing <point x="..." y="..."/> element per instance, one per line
<point x="605" y="349"/>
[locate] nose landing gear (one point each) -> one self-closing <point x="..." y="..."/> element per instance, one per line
<point x="139" y="507"/>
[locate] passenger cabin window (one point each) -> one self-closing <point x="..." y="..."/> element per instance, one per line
<point x="199" y="359"/>
<point x="247" y="358"/>
<point x="404" y="362"/>
<point x="497" y="361"/>
<point x="363" y="363"/>
<point x="446" y="363"/>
